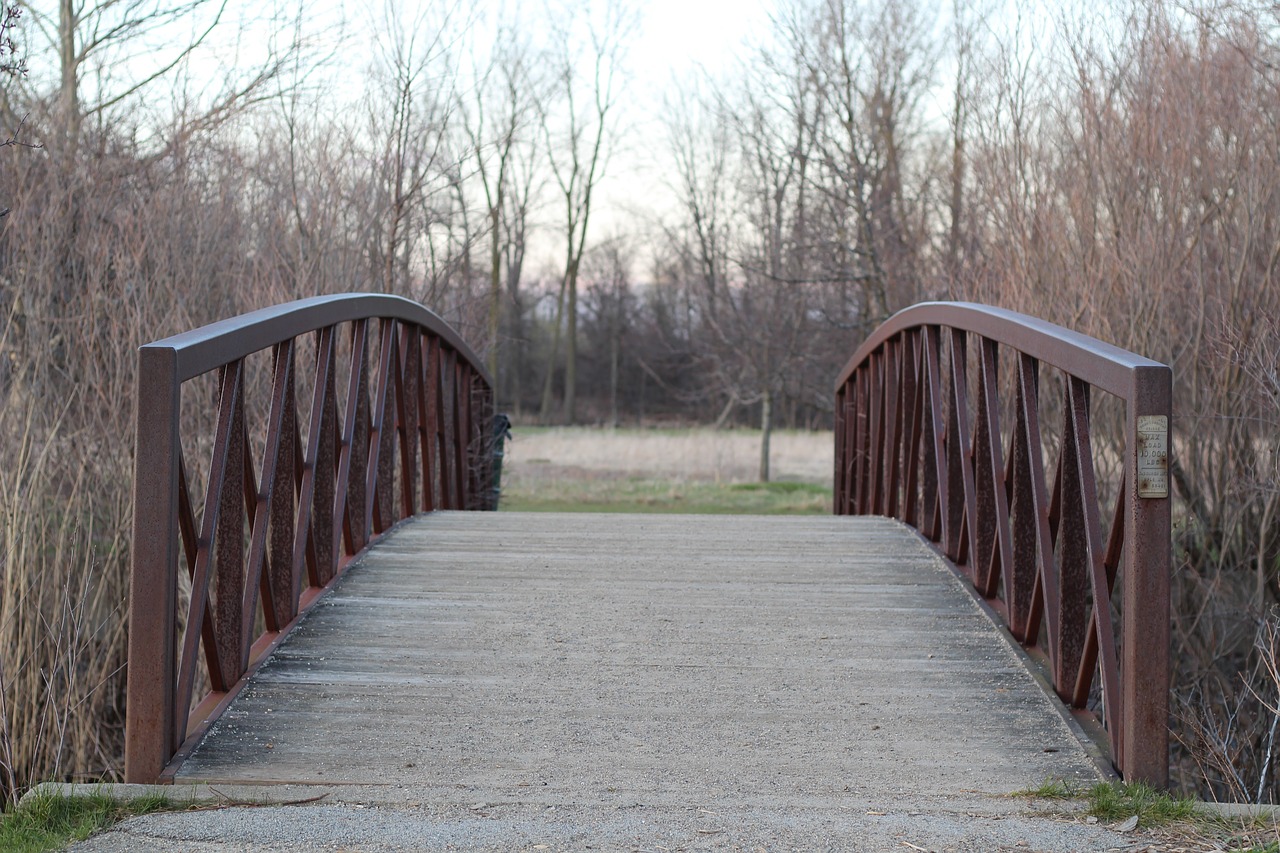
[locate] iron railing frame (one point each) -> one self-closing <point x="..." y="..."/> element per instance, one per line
<point x="420" y="408"/>
<point x="907" y="446"/>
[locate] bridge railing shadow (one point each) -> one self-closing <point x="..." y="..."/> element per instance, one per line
<point x="926" y="432"/>
<point x="323" y="422"/>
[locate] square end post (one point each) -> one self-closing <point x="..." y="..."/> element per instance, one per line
<point x="149" y="720"/>
<point x="1144" y="741"/>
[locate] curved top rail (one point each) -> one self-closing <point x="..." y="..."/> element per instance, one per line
<point x="209" y="347"/>
<point x="1097" y="363"/>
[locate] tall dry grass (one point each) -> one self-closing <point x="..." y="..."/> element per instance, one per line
<point x="62" y="605"/>
<point x="690" y="454"/>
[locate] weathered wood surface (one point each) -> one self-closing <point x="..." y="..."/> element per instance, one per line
<point x="616" y="659"/>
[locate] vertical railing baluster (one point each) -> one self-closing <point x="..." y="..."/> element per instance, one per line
<point x="353" y="458"/>
<point x="458" y="436"/>
<point x="221" y="462"/>
<point x="1032" y="584"/>
<point x="444" y="464"/>
<point x="1073" y="552"/>
<point x="938" y="502"/>
<point x="228" y="541"/>
<point x="875" y="456"/>
<point x="893" y="427"/>
<point x="841" y="455"/>
<point x="914" y="408"/>
<point x="994" y="553"/>
<point x="323" y="453"/>
<point x="408" y="394"/>
<point x="283" y="501"/>
<point x="850" y="444"/>
<point x="466" y="437"/>
<point x="862" y="450"/>
<point x="959" y="470"/>
<point x="428" y="420"/>
<point x="1096" y="577"/>
<point x="379" y="470"/>
<point x="260" y="498"/>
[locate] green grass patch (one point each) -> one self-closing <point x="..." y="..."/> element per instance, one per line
<point x="1117" y="801"/>
<point x="51" y="822"/>
<point x="783" y="488"/>
<point x="667" y="496"/>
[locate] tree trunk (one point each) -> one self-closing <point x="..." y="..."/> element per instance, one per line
<point x="571" y="351"/>
<point x="544" y="411"/>
<point x="495" y="287"/>
<point x="766" y="433"/>
<point x="956" y="205"/>
<point x="614" y="334"/>
<point x="69" y="85"/>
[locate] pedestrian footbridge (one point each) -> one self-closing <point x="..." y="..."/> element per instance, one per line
<point x="315" y="600"/>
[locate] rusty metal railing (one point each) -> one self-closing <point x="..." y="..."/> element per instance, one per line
<point x="920" y="437"/>
<point x="271" y="533"/>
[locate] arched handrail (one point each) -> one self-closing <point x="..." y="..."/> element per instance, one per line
<point x="921" y="439"/>
<point x="271" y="534"/>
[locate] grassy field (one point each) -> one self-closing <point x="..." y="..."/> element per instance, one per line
<point x="580" y="469"/>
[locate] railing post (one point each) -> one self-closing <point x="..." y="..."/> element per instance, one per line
<point x="838" y="504"/>
<point x="149" y="723"/>
<point x="1144" y="748"/>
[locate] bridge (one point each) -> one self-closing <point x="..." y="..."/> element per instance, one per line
<point x="314" y="600"/>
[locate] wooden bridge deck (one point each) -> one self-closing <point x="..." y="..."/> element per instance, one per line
<point x="616" y="659"/>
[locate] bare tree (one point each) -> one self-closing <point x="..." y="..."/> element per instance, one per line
<point x="499" y="116"/>
<point x="611" y="308"/>
<point x="410" y="123"/>
<point x="743" y="166"/>
<point x="873" y="63"/>
<point x="110" y="52"/>
<point x="577" y="136"/>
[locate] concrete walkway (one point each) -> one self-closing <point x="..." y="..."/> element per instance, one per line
<point x="538" y="681"/>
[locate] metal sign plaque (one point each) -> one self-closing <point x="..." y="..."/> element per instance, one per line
<point x="1153" y="456"/>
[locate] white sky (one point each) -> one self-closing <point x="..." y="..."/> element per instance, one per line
<point x="677" y="41"/>
<point x="676" y="35"/>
